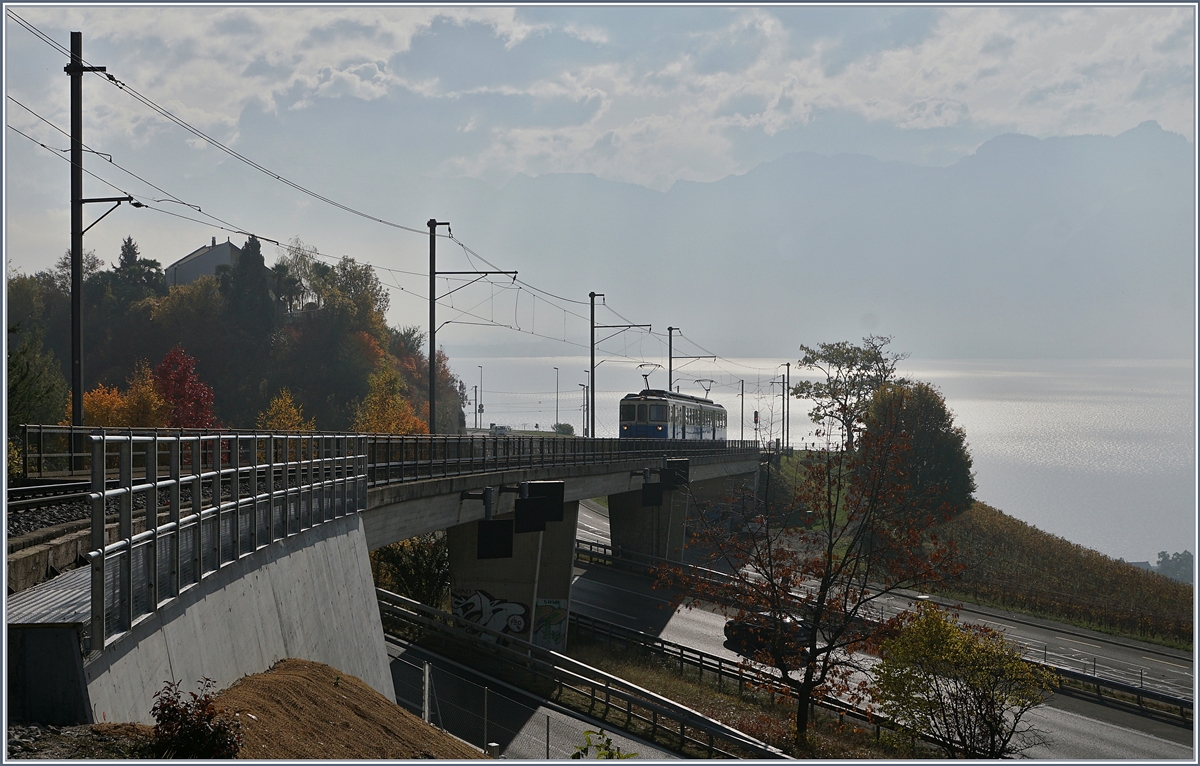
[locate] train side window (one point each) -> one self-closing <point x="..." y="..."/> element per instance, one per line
<point x="641" y="413"/>
<point x="628" y="412"/>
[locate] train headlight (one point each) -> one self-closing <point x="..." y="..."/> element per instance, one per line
<point x="659" y="427"/>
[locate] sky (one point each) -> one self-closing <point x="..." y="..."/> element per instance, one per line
<point x="331" y="96"/>
<point x="401" y="114"/>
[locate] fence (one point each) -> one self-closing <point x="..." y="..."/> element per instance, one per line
<point x="1170" y="694"/>
<point x="571" y="682"/>
<point x="225" y="496"/>
<point x="62" y="452"/>
<point x="483" y="717"/>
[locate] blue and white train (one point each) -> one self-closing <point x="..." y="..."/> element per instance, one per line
<point x="657" y="414"/>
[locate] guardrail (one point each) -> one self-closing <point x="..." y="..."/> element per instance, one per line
<point x="643" y="562"/>
<point x="727" y="669"/>
<point x="226" y="496"/>
<point x="707" y="737"/>
<point x="61" y="452"/>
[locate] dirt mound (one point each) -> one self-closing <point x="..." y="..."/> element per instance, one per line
<point x="302" y="709"/>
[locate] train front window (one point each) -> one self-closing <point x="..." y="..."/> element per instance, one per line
<point x="658" y="412"/>
<point x="641" y="413"/>
<point x="628" y="412"/>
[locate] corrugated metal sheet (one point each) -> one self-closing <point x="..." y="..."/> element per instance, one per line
<point x="64" y="599"/>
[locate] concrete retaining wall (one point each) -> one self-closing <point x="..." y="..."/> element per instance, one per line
<point x="310" y="596"/>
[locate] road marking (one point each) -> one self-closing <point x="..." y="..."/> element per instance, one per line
<point x="1073" y="641"/>
<point x="1185" y="667"/>
<point x="1001" y="625"/>
<point x="599" y="584"/>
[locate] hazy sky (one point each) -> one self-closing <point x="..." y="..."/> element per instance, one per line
<point x="336" y="98"/>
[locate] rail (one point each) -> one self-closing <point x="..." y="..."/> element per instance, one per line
<point x="226" y="495"/>
<point x="643" y="562"/>
<point x="707" y="737"/>
<point x="62" y="452"/>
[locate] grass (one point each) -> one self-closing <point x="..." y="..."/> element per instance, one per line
<point x="754" y="712"/>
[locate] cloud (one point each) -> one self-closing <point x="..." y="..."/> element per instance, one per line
<point x="652" y="115"/>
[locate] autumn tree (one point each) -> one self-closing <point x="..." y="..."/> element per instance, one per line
<point x="865" y="537"/>
<point x="188" y="399"/>
<point x="284" y="414"/>
<point x="386" y="410"/>
<point x="935" y="464"/>
<point x="418" y="568"/>
<point x="139" y="406"/>
<point x="966" y="685"/>
<point x="852" y="374"/>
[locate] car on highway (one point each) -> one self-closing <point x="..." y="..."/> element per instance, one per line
<point x="754" y="631"/>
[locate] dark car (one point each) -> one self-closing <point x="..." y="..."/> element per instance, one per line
<point x="757" y="630"/>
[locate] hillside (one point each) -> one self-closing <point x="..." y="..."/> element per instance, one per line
<point x="1017" y="566"/>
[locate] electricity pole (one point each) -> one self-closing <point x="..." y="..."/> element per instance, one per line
<point x="787" y="409"/>
<point x="433" y="223"/>
<point x="670" y="337"/>
<point x="555" y="426"/>
<point x="75" y="71"/>
<point x="743" y="396"/>
<point x="592" y="372"/>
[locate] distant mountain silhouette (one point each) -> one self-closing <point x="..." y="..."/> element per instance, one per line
<point x="1076" y="246"/>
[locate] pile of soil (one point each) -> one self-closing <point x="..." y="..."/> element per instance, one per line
<point x="302" y="709"/>
<point x="297" y="709"/>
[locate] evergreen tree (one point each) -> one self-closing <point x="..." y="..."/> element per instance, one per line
<point x="37" y="389"/>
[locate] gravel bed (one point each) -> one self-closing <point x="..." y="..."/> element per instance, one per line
<point x="23" y="521"/>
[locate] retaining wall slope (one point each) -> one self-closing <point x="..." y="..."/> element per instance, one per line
<point x="310" y="596"/>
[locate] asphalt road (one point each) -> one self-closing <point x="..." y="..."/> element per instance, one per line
<point x="1077" y="727"/>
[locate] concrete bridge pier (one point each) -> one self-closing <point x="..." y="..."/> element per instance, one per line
<point x="528" y="595"/>
<point x="648" y="530"/>
<point x="660" y="531"/>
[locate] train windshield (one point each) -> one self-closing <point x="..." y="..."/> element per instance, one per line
<point x="641" y="413"/>
<point x="628" y="411"/>
<point x="658" y="412"/>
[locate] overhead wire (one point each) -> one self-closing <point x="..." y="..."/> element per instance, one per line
<point x="233" y="228"/>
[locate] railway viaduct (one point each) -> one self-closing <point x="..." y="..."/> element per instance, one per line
<point x="259" y="551"/>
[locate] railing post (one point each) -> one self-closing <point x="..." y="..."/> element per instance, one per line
<point x="173" y="502"/>
<point x="425" y="693"/>
<point x="98" y="447"/>
<point x="125" y="531"/>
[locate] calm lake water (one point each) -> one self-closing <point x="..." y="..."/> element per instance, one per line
<point x="1099" y="452"/>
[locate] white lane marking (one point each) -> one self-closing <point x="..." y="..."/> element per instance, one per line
<point x="1073" y="641"/>
<point x="1001" y="625"/>
<point x="1185" y="667"/>
<point x="604" y="610"/>
<point x="626" y="590"/>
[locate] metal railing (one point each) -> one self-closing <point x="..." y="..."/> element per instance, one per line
<point x="735" y="672"/>
<point x="62" y="452"/>
<point x="664" y="719"/>
<point x="225" y="495"/>
<point x="494" y="722"/>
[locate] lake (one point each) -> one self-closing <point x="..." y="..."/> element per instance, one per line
<point x="1099" y="452"/>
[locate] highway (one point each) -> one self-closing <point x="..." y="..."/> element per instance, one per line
<point x="1077" y="728"/>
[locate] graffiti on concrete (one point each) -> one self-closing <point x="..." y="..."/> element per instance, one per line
<point x="481" y="608"/>
<point x="550" y="623"/>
